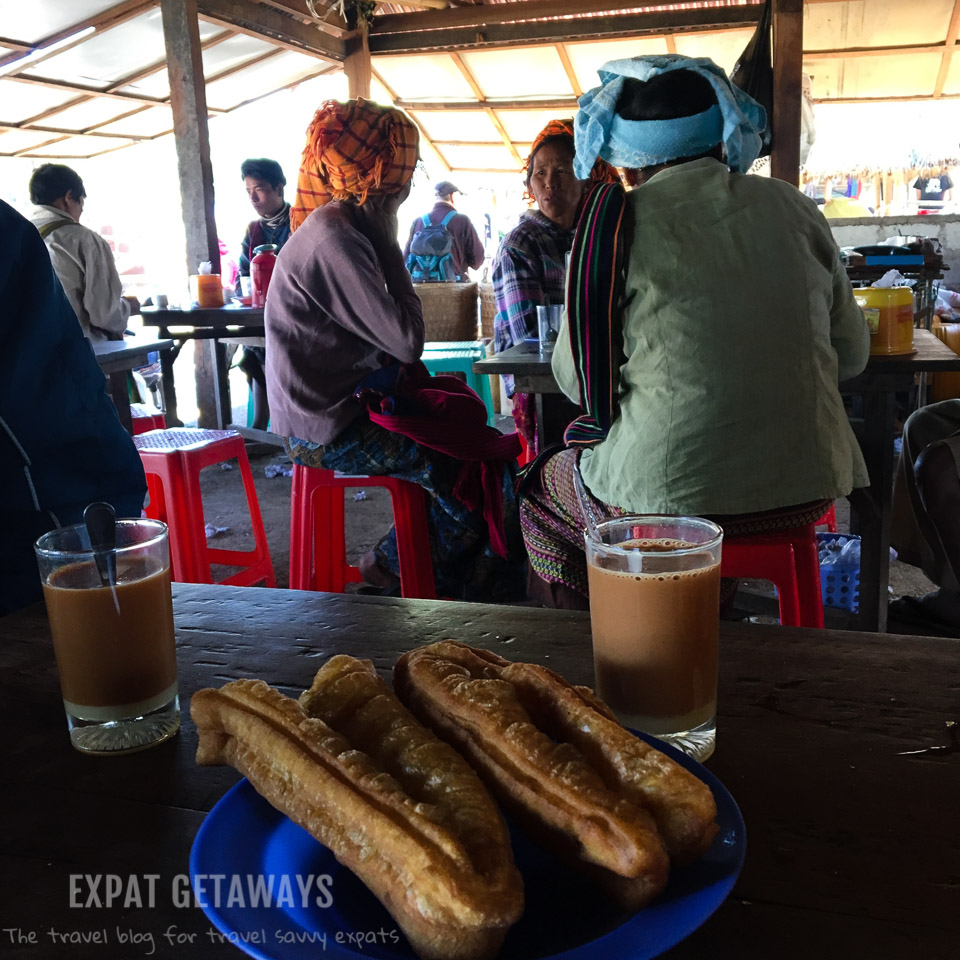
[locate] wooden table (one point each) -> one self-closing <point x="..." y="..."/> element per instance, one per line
<point x="116" y="358"/>
<point x="883" y="378"/>
<point x="834" y="744"/>
<point x="211" y="326"/>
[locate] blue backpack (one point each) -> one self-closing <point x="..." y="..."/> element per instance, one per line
<point x="431" y="252"/>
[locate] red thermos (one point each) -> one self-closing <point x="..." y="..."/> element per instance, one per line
<point x="261" y="270"/>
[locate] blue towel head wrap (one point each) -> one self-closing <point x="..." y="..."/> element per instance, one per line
<point x="736" y="121"/>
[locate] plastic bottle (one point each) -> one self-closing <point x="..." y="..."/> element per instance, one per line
<point x="209" y="291"/>
<point x="261" y="270"/>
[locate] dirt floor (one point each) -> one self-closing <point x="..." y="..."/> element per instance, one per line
<point x="368" y="516"/>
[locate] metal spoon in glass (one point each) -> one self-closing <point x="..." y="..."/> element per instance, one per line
<point x="100" y="520"/>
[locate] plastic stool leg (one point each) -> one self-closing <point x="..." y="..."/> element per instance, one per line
<point x="410" y="520"/>
<point x="810" y="598"/>
<point x="297" y="538"/>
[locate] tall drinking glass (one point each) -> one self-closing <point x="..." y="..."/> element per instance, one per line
<point x="114" y="644"/>
<point x="654" y="610"/>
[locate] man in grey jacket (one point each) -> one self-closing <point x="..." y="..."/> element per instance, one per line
<point x="81" y="257"/>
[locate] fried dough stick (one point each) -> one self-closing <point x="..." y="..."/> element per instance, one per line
<point x="405" y="849"/>
<point x="549" y="784"/>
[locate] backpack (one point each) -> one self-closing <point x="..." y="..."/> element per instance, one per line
<point x="431" y="252"/>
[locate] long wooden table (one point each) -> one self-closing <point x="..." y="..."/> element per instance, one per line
<point x="116" y="358"/>
<point x="883" y="378"/>
<point x="211" y="326"/>
<point x="836" y="746"/>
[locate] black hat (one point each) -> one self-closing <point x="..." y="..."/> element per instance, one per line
<point x="444" y="188"/>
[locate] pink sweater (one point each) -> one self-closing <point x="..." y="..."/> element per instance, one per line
<point x="334" y="314"/>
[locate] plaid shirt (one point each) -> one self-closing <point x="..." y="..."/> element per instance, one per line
<point x="529" y="271"/>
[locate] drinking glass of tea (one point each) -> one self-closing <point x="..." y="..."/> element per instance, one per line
<point x="111" y="618"/>
<point x="655" y="615"/>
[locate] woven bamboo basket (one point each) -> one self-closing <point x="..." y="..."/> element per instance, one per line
<point x="488" y="309"/>
<point x="449" y="310"/>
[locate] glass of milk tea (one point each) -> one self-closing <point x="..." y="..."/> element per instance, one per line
<point x="113" y="635"/>
<point x="654" y="611"/>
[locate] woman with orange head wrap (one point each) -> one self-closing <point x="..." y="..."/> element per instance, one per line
<point x="529" y="269"/>
<point x="343" y="322"/>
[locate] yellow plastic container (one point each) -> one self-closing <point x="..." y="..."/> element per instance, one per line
<point x="889" y="314"/>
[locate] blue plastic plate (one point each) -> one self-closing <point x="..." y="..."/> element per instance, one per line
<point x="243" y="839"/>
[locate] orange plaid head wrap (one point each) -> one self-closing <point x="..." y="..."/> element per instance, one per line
<point x="602" y="172"/>
<point x="354" y="149"/>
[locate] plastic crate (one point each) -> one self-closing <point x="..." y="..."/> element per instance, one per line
<point x="839" y="582"/>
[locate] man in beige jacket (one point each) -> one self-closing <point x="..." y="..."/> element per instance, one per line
<point x="81" y="257"/>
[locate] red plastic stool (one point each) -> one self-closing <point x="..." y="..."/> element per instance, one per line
<point x="143" y="423"/>
<point x="789" y="560"/>
<point x="172" y="460"/>
<point x="829" y="519"/>
<point x="526" y="452"/>
<point x="318" y="555"/>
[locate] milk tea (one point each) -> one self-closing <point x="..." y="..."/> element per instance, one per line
<point x="655" y="636"/>
<point x="114" y="647"/>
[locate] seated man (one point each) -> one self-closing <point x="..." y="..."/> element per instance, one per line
<point x="82" y="259"/>
<point x="463" y="245"/>
<point x="61" y="442"/>
<point x="343" y="321"/>
<point x="707" y="357"/>
<point x="264" y="182"/>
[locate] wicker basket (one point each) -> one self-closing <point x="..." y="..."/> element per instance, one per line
<point x="488" y="310"/>
<point x="449" y="310"/>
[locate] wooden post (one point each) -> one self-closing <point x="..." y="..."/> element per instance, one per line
<point x="357" y="65"/>
<point x="787" y="89"/>
<point x="188" y="100"/>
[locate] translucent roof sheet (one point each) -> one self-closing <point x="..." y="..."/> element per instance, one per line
<point x="110" y="55"/>
<point x="433" y="77"/>
<point x="20" y="101"/>
<point x="468" y="125"/>
<point x="497" y="72"/>
<point x="116" y="49"/>
<point x="147" y="123"/>
<point x="13" y="141"/>
<point x="261" y="78"/>
<point x="216" y="59"/>
<point x="33" y="20"/>
<point x="81" y="146"/>
<point x="88" y="114"/>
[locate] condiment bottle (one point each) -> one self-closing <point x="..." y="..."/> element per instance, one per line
<point x="261" y="270"/>
<point x="209" y="291"/>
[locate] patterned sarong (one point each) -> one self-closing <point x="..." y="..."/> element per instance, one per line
<point x="553" y="523"/>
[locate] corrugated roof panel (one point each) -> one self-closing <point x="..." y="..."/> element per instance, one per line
<point x="147" y="123"/>
<point x="430" y="77"/>
<point x="12" y="141"/>
<point x="868" y="23"/>
<point x="110" y="55"/>
<point x="467" y="125"/>
<point x="497" y="72"/>
<point x="87" y="114"/>
<point x="261" y="78"/>
<point x="20" y="101"/>
<point x="80" y="146"/>
<point x="32" y="20"/>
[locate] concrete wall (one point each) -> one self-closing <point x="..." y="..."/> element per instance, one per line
<point x="856" y="232"/>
